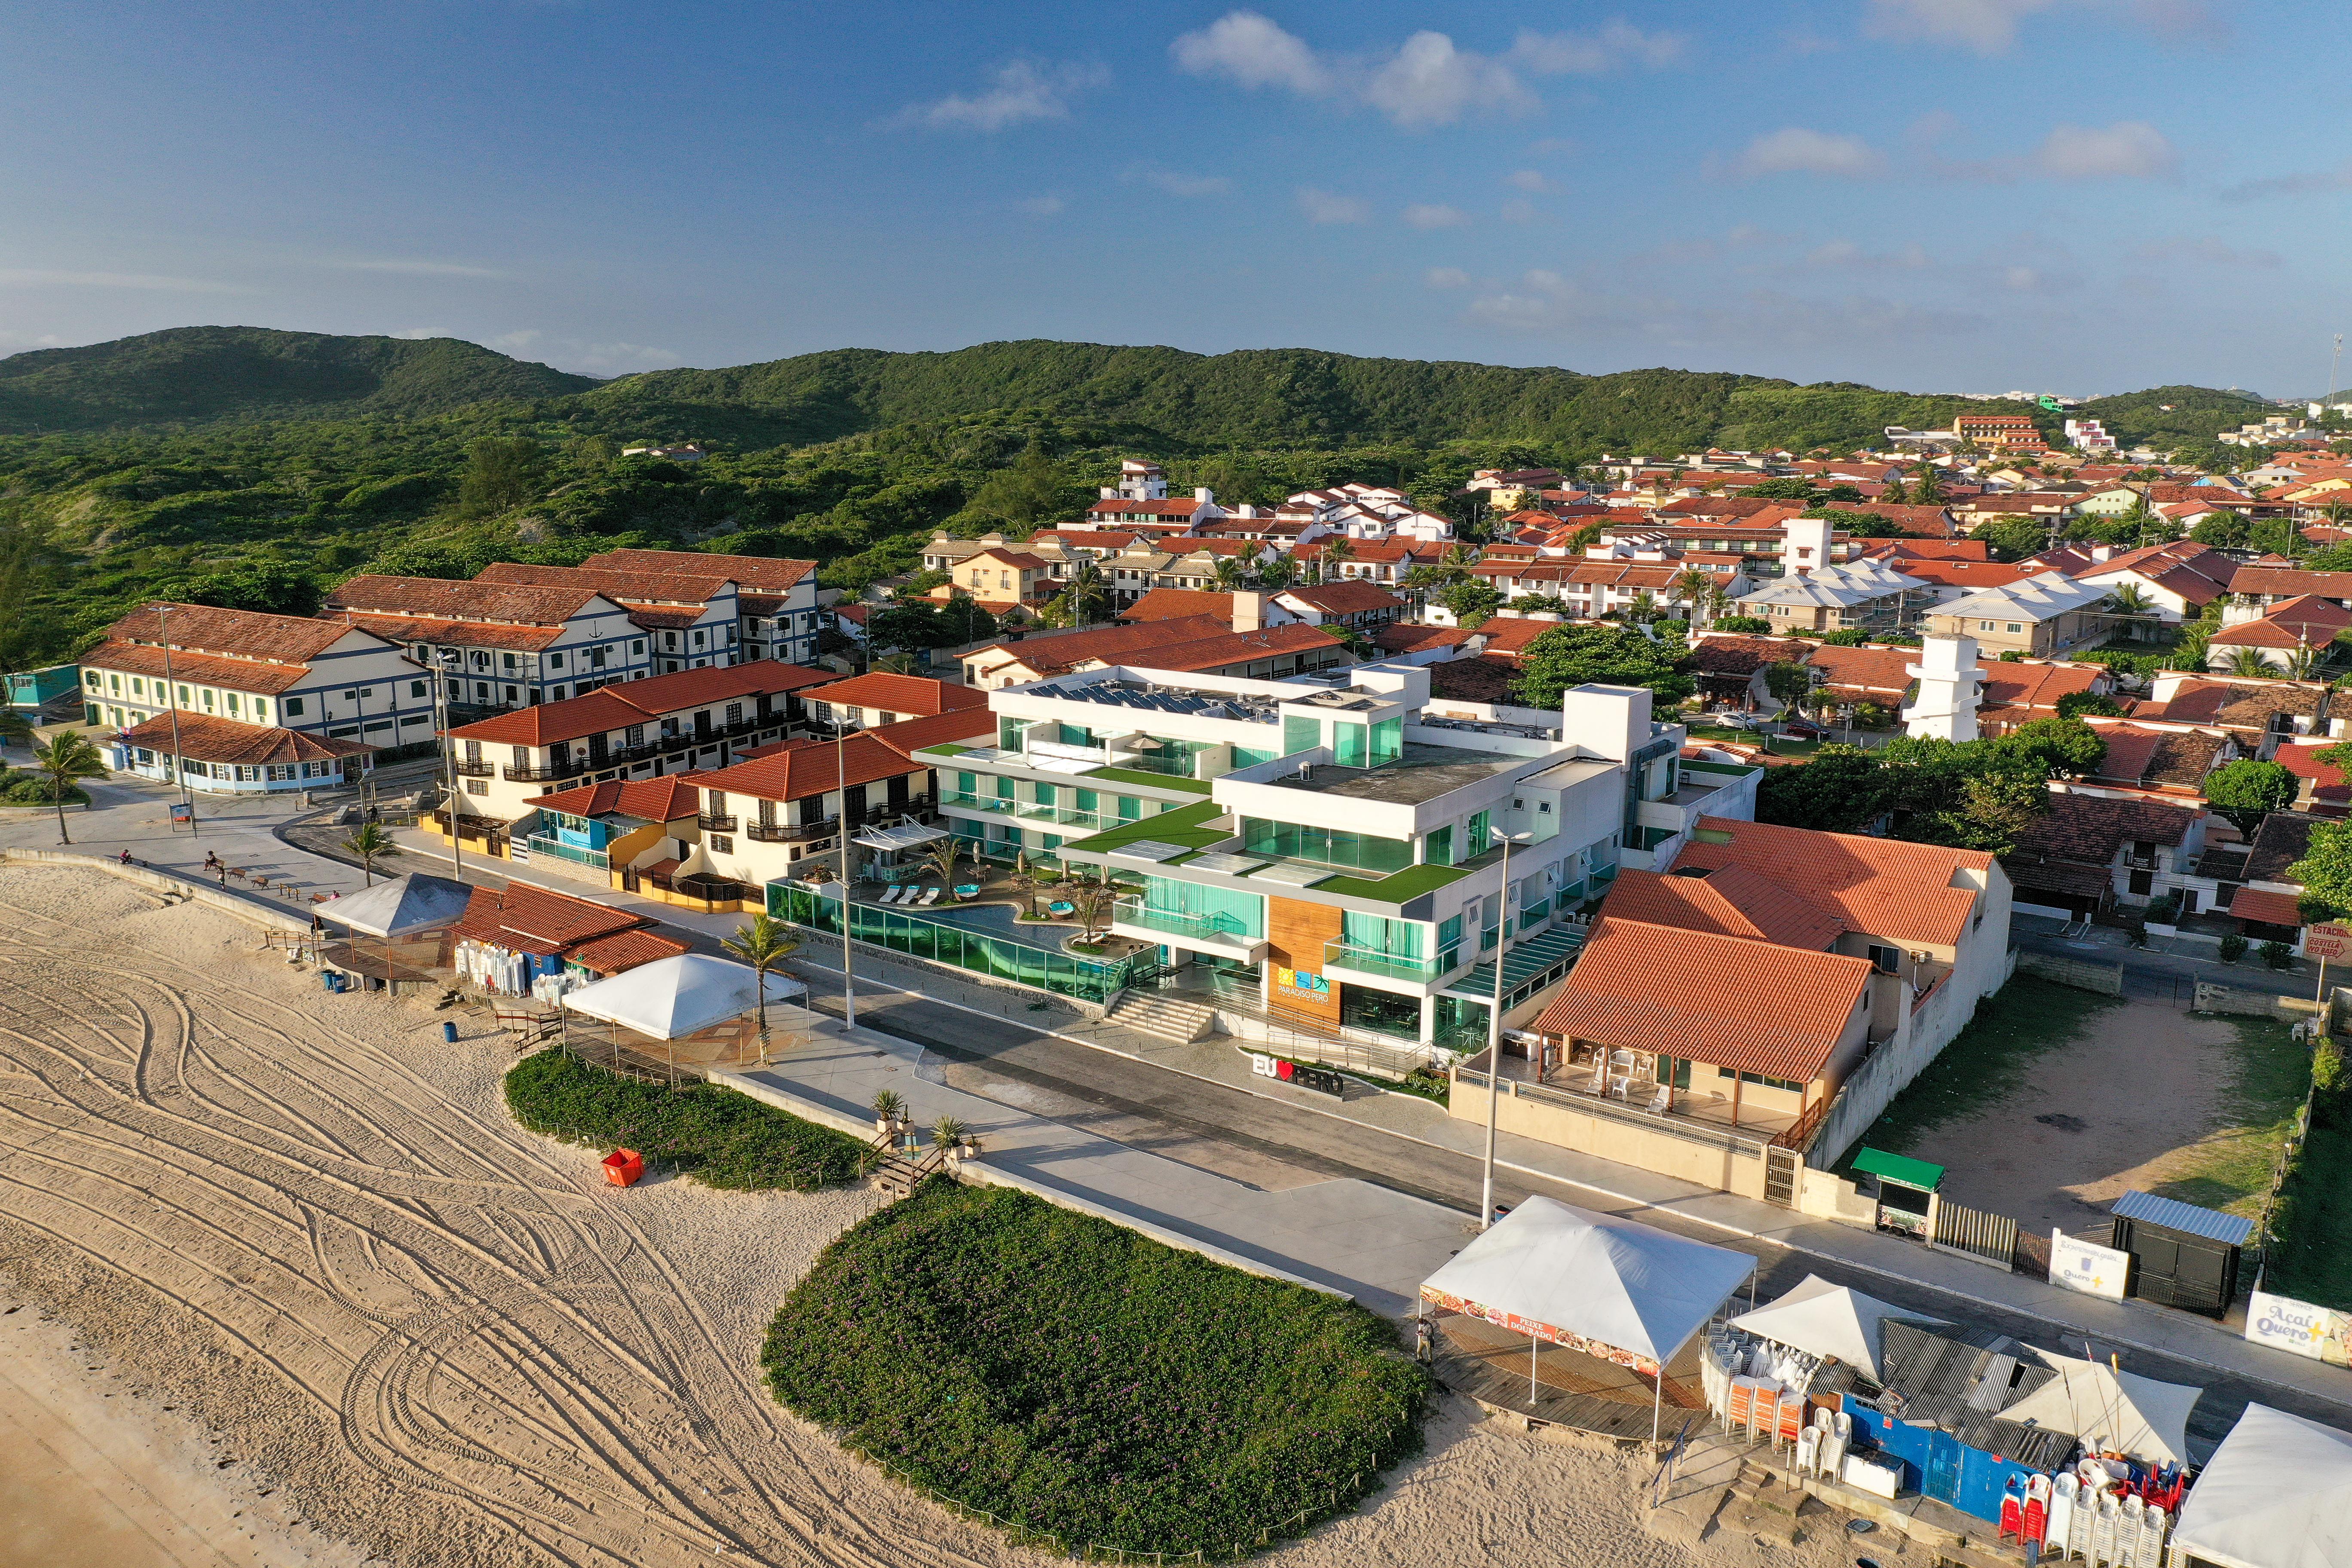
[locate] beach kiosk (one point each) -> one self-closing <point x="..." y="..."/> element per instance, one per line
<point x="395" y="932"/>
<point x="1617" y="1299"/>
<point x="1906" y="1189"/>
<point x="691" y="1011"/>
<point x="2181" y="1256"/>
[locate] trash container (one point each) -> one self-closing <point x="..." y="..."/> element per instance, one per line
<point x="449" y="1034"/>
<point x="624" y="1166"/>
<point x="326" y="980"/>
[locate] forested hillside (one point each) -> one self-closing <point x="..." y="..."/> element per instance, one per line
<point x="258" y="468"/>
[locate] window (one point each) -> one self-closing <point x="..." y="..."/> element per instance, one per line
<point x="1887" y="960"/>
<point x="1480" y="835"/>
<point x="293" y="704"/>
<point x="1300" y="734"/>
<point x="555" y="661"/>
<point x="1009" y="731"/>
<point x="90" y="679"/>
<point x="1045" y="793"/>
<point x="1212" y="912"/>
<point x="1437" y="850"/>
<point x="596" y="657"/>
<point x="2016" y="626"/>
<point x="417" y="689"/>
<point x="1350" y="744"/>
<point x="1379" y="934"/>
<point x="1362" y="1007"/>
<point x="722" y="844"/>
<point x="477" y="786"/>
<point x="1326" y="846"/>
<point x="636" y="645"/>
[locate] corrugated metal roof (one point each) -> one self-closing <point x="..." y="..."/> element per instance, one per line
<point x="2173" y="1214"/>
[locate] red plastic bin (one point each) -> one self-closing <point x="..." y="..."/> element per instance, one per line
<point x="624" y="1166"/>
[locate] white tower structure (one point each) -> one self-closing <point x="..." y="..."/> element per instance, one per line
<point x="1805" y="545"/>
<point x="1950" y="684"/>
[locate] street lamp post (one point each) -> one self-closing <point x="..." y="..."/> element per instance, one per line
<point x="840" y="721"/>
<point x="448" y="767"/>
<point x="171" y="701"/>
<point x="1495" y="1034"/>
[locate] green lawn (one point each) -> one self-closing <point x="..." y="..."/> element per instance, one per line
<point x="1181" y="826"/>
<point x="1990" y="1059"/>
<point x="2232" y="1167"/>
<point x="722" y="1138"/>
<point x="1072" y="1379"/>
<point x="2311" y="1258"/>
<point x="1397" y="886"/>
<point x="1148" y="780"/>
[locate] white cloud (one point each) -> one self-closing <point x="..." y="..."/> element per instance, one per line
<point x="1177" y="184"/>
<point x="1795" y="150"/>
<point x="1551" y="147"/>
<point x="1425" y="214"/>
<point x="2207" y="249"/>
<point x="1846" y="253"/>
<point x="1247" y="50"/>
<point x="2025" y="279"/>
<point x="420" y="333"/>
<point x="419" y="268"/>
<point x="1323" y="206"/>
<point x="1023" y="92"/>
<point x="1425" y="82"/>
<point x="2324" y="182"/>
<point x="1430" y="82"/>
<point x="1987" y="26"/>
<point x="1613" y="47"/>
<point x="1528" y="179"/>
<point x="1519" y="211"/>
<point x="2127" y="149"/>
<point x="1446" y="277"/>
<point x="1546" y="304"/>
<point x="34" y="277"/>
<point x="509" y="343"/>
<point x="1040" y="206"/>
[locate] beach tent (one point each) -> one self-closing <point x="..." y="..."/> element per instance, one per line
<point x="1583" y="1279"/>
<point x="2110" y="1409"/>
<point x="403" y="906"/>
<point x="1828" y="1320"/>
<point x="2277" y="1493"/>
<point x="671" y="998"/>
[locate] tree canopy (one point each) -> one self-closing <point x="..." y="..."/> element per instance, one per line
<point x="1610" y="656"/>
<point x="2247" y="791"/>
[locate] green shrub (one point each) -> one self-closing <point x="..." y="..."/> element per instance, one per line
<point x="2163" y="910"/>
<point x="722" y="1138"/>
<point x="2233" y="948"/>
<point x="1079" y="1380"/>
<point x="2277" y="955"/>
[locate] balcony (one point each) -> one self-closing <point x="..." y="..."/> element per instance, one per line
<point x="979" y="802"/>
<point x="1220" y="934"/>
<point x="572" y="768"/>
<point x="788" y="832"/>
<point x="473" y="768"/>
<point x="710" y="824"/>
<point x="1389" y="965"/>
<point x="556" y="849"/>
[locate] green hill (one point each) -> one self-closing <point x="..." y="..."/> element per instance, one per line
<point x="2163" y="416"/>
<point x="201" y="374"/>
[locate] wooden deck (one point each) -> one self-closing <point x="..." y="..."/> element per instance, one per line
<point x="1476" y="1358"/>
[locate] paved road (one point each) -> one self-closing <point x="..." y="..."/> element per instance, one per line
<point x="1137" y="1092"/>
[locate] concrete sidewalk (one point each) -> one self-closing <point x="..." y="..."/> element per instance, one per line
<point x="1362" y="1240"/>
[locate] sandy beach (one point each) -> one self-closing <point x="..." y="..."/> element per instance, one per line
<point x="289" y="1286"/>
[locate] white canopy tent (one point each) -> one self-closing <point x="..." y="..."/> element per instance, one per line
<point x="1828" y="1320"/>
<point x="906" y="836"/>
<point x="671" y="998"/>
<point x="2110" y="1409"/>
<point x="1554" y="1272"/>
<point x="2277" y="1493"/>
<point x="415" y="902"/>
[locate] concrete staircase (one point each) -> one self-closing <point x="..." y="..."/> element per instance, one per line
<point x="1179" y="1020"/>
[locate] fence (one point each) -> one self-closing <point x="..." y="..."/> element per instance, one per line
<point x="996" y="958"/>
<point x="2105" y="979"/>
<point x="1988" y="1237"/>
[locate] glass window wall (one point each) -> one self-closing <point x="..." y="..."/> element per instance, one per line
<point x="1213" y="911"/>
<point x="1383" y="1012"/>
<point x="1326" y="847"/>
<point x="1379" y="934"/>
<point x="1437" y="850"/>
<point x="1388" y="741"/>
<point x="1300" y="734"/>
<point x="1009" y="731"/>
<point x="1350" y="745"/>
<point x="1250" y="756"/>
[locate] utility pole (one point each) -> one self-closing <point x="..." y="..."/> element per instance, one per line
<point x="1495" y="1036"/>
<point x="449" y="768"/>
<point x="172" y="699"/>
<point x="841" y="782"/>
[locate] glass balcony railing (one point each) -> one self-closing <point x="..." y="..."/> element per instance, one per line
<point x="1200" y="928"/>
<point x="1371" y="960"/>
<point x="556" y="849"/>
<point x="1146" y="761"/>
<point x="978" y="802"/>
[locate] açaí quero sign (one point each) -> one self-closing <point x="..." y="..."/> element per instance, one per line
<point x="1634" y="1360"/>
<point x="2328" y="943"/>
<point x="2284" y="1324"/>
<point x="2088" y="1267"/>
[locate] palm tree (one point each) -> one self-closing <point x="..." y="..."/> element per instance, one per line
<point x="1336" y="549"/>
<point x="66" y="757"/>
<point x="1694" y="587"/>
<point x="1230" y="573"/>
<point x="2302" y="662"/>
<point x="762" y="944"/>
<point x="1085" y="589"/>
<point x="2130" y="601"/>
<point x="1455" y="563"/>
<point x="370" y="844"/>
<point x="2247" y="661"/>
<point x="942" y="861"/>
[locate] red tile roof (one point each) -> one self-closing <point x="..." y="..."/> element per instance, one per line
<point x="210" y="739"/>
<point x="2092" y="829"/>
<point x="454" y="634"/>
<point x="911" y="735"/>
<point x="2189" y="569"/>
<point x="2292" y="581"/>
<point x="1886" y="886"/>
<point x="625" y="951"/>
<point x="1929" y="550"/>
<point x="917" y="696"/>
<point x="1509" y="636"/>
<point x="532" y="919"/>
<point x="198" y="668"/>
<point x="2139" y="755"/>
<point x="1175" y="604"/>
<point x="1353" y="596"/>
<point x="648" y="800"/>
<point x="2307" y="621"/>
<point x="231" y="634"/>
<point x="1753" y="1006"/>
<point x="1405" y="637"/>
<point x="2265" y="908"/>
<point x="1729" y="901"/>
<point x="443" y="598"/>
<point x="1067" y="650"/>
<point x="2029" y="683"/>
<point x="1488" y="678"/>
<point x="1212" y="653"/>
<point x="769" y="574"/>
<point x="627" y="702"/>
<point x="794" y="773"/>
<point x="2328" y="787"/>
<point x="1969" y="574"/>
<point x="1876" y="671"/>
<point x="621" y="588"/>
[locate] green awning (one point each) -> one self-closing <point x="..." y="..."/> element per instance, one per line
<point x="1900" y="1169"/>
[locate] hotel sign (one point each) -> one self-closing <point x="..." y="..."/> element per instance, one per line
<point x="1301" y="985"/>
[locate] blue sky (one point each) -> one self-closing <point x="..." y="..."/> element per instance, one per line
<point x="1935" y="194"/>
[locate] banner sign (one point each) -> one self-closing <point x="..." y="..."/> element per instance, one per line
<point x="2088" y="1267"/>
<point x="2328" y="942"/>
<point x="1632" y="1359"/>
<point x="1303" y="984"/>
<point x="2284" y="1323"/>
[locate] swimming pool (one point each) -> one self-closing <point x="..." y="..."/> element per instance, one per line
<point x="996" y="921"/>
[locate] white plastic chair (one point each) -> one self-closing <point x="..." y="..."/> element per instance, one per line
<point x="2127" y="1535"/>
<point x="1658" y="1103"/>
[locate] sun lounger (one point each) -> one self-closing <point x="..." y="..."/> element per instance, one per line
<point x="930" y="897"/>
<point x="890" y="895"/>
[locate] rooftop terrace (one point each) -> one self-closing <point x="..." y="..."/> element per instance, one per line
<point x="1150" y="697"/>
<point x="1421" y="774"/>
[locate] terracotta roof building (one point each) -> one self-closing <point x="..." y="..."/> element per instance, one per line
<point x="881" y="697"/>
<point x="499" y="645"/>
<point x="2088" y="852"/>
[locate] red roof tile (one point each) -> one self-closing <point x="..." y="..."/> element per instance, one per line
<point x="1176" y="603"/>
<point x="210" y="739"/>
<point x="231" y="634"/>
<point x="917" y="696"/>
<point x="1753" y="1006"/>
<point x="1731" y="900"/>
<point x="911" y="735"/>
<point x="1067" y="650"/>
<point x="532" y="919"/>
<point x="627" y="702"/>
<point x="769" y="574"/>
<point x="2265" y="908"/>
<point x="1353" y="596"/>
<point x="1886" y="886"/>
<point x="795" y="772"/>
<point x="625" y="951"/>
<point x="199" y="669"/>
<point x="648" y="800"/>
<point x="1211" y="653"/>
<point x="443" y="598"/>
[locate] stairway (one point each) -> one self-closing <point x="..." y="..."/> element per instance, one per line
<point x="1165" y="1015"/>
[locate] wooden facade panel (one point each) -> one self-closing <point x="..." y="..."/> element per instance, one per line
<point x="1295" y="934"/>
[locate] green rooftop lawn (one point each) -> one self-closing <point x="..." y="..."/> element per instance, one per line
<point x="1079" y="1382"/>
<point x="1398" y="886"/>
<point x="1182" y="827"/>
<point x="944" y="749"/>
<point x="1150" y="780"/>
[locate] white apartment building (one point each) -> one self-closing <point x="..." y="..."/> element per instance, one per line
<point x="499" y="646"/>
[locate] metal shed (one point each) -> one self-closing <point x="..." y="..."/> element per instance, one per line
<point x="2181" y="1256"/>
